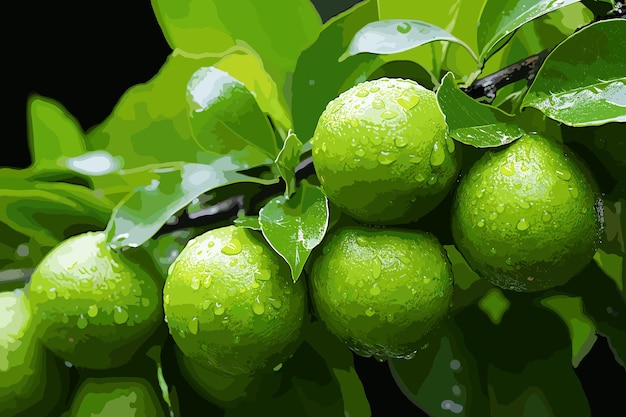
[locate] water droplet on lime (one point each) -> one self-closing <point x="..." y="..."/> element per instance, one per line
<point x="507" y="169"/>
<point x="563" y="174"/>
<point x="386" y="158"/>
<point x="193" y="325"/>
<point x="376" y="267"/>
<point x="370" y="312"/>
<point x="409" y="102"/>
<point x="82" y="322"/>
<point x="522" y="224"/>
<point x="195" y="283"/>
<point x="437" y="155"/>
<point x="92" y="311"/>
<point x="362" y="93"/>
<point x="219" y="309"/>
<point x="232" y="248"/>
<point x="120" y="316"/>
<point x="389" y="114"/>
<point x="573" y="192"/>
<point x="375" y="290"/>
<point x="258" y="308"/>
<point x="401" y="141"/>
<point x="378" y="104"/>
<point x="480" y="223"/>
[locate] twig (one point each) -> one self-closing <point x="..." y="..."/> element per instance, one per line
<point x="524" y="69"/>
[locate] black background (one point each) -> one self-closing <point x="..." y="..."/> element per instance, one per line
<point x="86" y="54"/>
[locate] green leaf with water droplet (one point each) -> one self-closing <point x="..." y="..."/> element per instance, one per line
<point x="295" y="226"/>
<point x="443" y="378"/>
<point x="54" y="134"/>
<point x="392" y="36"/>
<point x="581" y="328"/>
<point x="287" y="160"/>
<point x="582" y="82"/>
<point x="225" y="118"/>
<point x="144" y="211"/>
<point x="499" y="21"/>
<point x="474" y="123"/>
<point x="313" y="88"/>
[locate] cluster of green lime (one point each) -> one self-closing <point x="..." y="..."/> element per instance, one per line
<point x="527" y="217"/>
<point x="382" y="154"/>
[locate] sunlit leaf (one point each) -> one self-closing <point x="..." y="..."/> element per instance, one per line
<point x="583" y="82"/>
<point x="287" y="160"/>
<point x="395" y="35"/>
<point x="54" y="134"/>
<point x="313" y="88"/>
<point x="499" y="21"/>
<point x="582" y="331"/>
<point x="295" y="226"/>
<point x="474" y="123"/>
<point x="143" y="212"/>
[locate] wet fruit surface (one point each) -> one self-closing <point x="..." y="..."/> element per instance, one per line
<point x="382" y="153"/>
<point x="527" y="217"/>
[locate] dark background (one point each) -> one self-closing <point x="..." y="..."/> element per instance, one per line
<point x="86" y="54"/>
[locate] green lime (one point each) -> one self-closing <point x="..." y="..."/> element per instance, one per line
<point x="381" y="290"/>
<point x="528" y="216"/>
<point x="231" y="304"/>
<point x="96" y="306"/>
<point x="382" y="153"/>
<point x="28" y="378"/>
<point x="116" y="397"/>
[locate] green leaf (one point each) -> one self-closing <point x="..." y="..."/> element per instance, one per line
<point x="494" y="304"/>
<point x="54" y="134"/>
<point x="226" y="119"/>
<point x="150" y="123"/>
<point x="276" y="32"/>
<point x="391" y="36"/>
<point x="443" y="379"/>
<point x="471" y="122"/>
<point x="51" y="212"/>
<point x="499" y="21"/>
<point x="612" y="265"/>
<point x="582" y="82"/>
<point x="455" y="17"/>
<point x="295" y="226"/>
<point x="249" y="222"/>
<point x="287" y="160"/>
<point x="604" y="304"/>
<point x="581" y="329"/>
<point x="468" y="286"/>
<point x="143" y="212"/>
<point x="340" y="362"/>
<point x="312" y="88"/>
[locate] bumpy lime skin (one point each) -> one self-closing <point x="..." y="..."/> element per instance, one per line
<point x="382" y="153"/>
<point x="527" y="217"/>
<point x="95" y="307"/>
<point x="381" y="291"/>
<point x="231" y="304"/>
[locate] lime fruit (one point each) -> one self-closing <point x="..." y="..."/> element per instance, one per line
<point x="119" y="397"/>
<point x="231" y="304"/>
<point x="95" y="306"/>
<point x="527" y="217"/>
<point x="29" y="381"/>
<point x="381" y="291"/>
<point x="382" y="153"/>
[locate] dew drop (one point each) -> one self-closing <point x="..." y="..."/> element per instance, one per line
<point x="193" y="325"/>
<point x="492" y="251"/>
<point x="362" y="93"/>
<point x="415" y="159"/>
<point x="232" y="248"/>
<point x="263" y="275"/>
<point x="564" y="174"/>
<point x="522" y="224"/>
<point x="493" y="215"/>
<point x="378" y="104"/>
<point x="82" y="322"/>
<point x="401" y="141"/>
<point x="546" y="217"/>
<point x="219" y="309"/>
<point x="195" y="283"/>
<point x="523" y="204"/>
<point x="374" y="89"/>
<point x="480" y="223"/>
<point x="360" y="152"/>
<point x="207" y="281"/>
<point x="389" y="114"/>
<point x="376" y="140"/>
<point x="409" y="102"/>
<point x="437" y="155"/>
<point x="52" y="293"/>
<point x="500" y="208"/>
<point x="426" y="279"/>
<point x="507" y="169"/>
<point x="166" y="300"/>
<point x="258" y="308"/>
<point x="120" y="316"/>
<point x="276" y="303"/>
<point x="420" y="178"/>
<point x="277" y="367"/>
<point x="370" y="312"/>
<point x="92" y="311"/>
<point x="145" y="301"/>
<point x="573" y="192"/>
<point x="386" y="158"/>
<point x="375" y="290"/>
<point x="376" y="267"/>
<point x="432" y="180"/>
<point x="404" y="27"/>
<point x="450" y="144"/>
